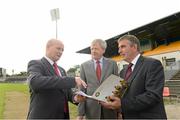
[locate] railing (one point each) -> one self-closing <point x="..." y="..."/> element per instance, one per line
<point x="174" y="87"/>
<point x="171" y="70"/>
<point x="16" y="79"/>
<point x="173" y="66"/>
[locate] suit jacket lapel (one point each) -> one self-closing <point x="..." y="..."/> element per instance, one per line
<point x="48" y="66"/>
<point x="63" y="73"/>
<point x="123" y="72"/>
<point x="91" y="67"/>
<point x="104" y="68"/>
<point x="136" y="69"/>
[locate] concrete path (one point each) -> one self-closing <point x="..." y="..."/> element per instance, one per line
<point x="16" y="105"/>
<point x="173" y="111"/>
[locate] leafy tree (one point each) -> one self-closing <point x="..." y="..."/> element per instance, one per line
<point x="72" y="71"/>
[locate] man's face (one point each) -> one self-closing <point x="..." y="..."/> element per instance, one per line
<point x="55" y="51"/>
<point x="96" y="51"/>
<point x="127" y="50"/>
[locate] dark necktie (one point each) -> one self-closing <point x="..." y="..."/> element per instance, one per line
<point x="129" y="71"/>
<point x="56" y="69"/>
<point x="98" y="69"/>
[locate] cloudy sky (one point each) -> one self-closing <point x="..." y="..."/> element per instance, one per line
<point x="26" y="25"/>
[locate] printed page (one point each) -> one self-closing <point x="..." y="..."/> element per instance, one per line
<point x="105" y="89"/>
<point x="83" y="94"/>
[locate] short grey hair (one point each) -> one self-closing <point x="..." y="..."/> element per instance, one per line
<point x="101" y="42"/>
<point x="132" y="39"/>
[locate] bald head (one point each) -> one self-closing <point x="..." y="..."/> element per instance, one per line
<point x="54" y="49"/>
<point x="51" y="42"/>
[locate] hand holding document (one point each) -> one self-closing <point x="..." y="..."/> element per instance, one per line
<point x="107" y="88"/>
<point x="83" y="94"/>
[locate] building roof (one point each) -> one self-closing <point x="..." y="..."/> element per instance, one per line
<point x="167" y="28"/>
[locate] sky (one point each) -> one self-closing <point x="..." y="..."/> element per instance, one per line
<point x="26" y="26"/>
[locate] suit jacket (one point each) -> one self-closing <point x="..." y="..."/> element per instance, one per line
<point x="143" y="99"/>
<point x="48" y="92"/>
<point x="90" y="108"/>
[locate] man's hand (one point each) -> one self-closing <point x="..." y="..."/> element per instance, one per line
<point x="80" y="118"/>
<point x="80" y="82"/>
<point x="114" y="104"/>
<point x="79" y="98"/>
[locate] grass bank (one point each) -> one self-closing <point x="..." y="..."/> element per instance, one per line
<point x="8" y="87"/>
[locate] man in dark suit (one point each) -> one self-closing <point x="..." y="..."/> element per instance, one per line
<point x="143" y="98"/>
<point x="50" y="88"/>
<point x="91" y="109"/>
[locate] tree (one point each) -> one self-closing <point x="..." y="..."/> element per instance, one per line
<point x="72" y="71"/>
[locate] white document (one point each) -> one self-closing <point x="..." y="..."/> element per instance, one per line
<point x="105" y="89"/>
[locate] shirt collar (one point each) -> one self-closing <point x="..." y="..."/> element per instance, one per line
<point x="100" y="60"/>
<point x="49" y="60"/>
<point x="134" y="61"/>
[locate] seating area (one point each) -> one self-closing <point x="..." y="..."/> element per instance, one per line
<point x="172" y="89"/>
<point x="176" y="76"/>
<point x="174" y="46"/>
<point x="16" y="79"/>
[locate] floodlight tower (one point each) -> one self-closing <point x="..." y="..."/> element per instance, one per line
<point x="55" y="17"/>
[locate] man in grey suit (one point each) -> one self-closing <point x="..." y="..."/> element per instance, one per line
<point x="143" y="98"/>
<point x="50" y="88"/>
<point x="91" y="109"/>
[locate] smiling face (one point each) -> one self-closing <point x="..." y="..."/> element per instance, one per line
<point x="54" y="49"/>
<point x="96" y="51"/>
<point x="127" y="50"/>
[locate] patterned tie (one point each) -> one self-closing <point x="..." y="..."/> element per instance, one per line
<point x="128" y="72"/>
<point x="98" y="69"/>
<point x="56" y="69"/>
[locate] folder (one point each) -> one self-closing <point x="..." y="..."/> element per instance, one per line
<point x="105" y="89"/>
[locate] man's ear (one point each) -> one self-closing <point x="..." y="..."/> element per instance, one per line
<point x="135" y="46"/>
<point x="104" y="51"/>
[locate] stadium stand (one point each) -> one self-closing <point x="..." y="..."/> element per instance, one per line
<point x="16" y="79"/>
<point x="159" y="39"/>
<point x="176" y="76"/>
<point x="174" y="46"/>
<point x="174" y="88"/>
